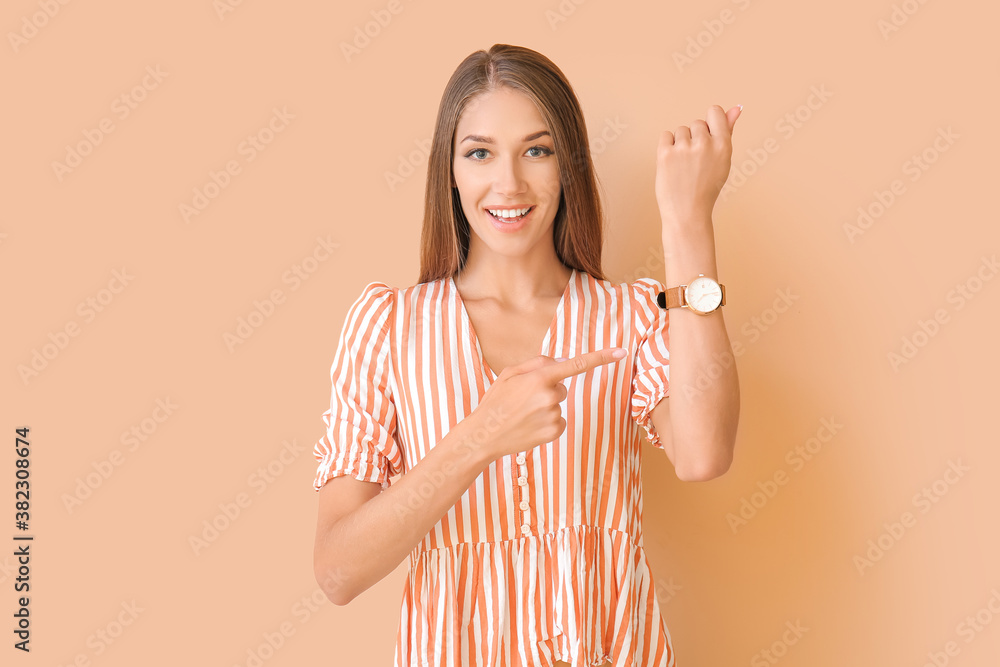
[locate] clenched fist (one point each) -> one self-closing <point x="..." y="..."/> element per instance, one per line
<point x="692" y="165"/>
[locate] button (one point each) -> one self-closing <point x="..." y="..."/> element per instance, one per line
<point x="525" y="529"/>
<point x="520" y="457"/>
<point x="522" y="480"/>
<point x="524" y="504"/>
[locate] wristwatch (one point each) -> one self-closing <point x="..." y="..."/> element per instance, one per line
<point x="702" y="296"/>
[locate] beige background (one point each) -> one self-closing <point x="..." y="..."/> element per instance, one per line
<point x="727" y="594"/>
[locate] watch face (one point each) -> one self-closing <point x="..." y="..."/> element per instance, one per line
<point x="703" y="294"/>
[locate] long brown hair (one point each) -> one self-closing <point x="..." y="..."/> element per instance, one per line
<point x="578" y="226"/>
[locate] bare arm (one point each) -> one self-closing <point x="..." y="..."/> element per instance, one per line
<point x="698" y="421"/>
<point x="363" y="534"/>
<point x="702" y="412"/>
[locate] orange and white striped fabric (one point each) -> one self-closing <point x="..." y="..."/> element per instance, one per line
<point x="542" y="558"/>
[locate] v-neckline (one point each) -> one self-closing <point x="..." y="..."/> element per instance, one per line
<point x="546" y="339"/>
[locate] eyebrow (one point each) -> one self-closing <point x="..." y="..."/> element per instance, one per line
<point x="489" y="140"/>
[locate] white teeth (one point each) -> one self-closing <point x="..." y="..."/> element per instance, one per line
<point x="510" y="213"/>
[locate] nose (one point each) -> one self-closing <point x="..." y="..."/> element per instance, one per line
<point x="508" y="179"/>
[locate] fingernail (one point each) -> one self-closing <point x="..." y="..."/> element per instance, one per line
<point x="740" y="106"/>
<point x="619" y="353"/>
<point x="560" y="358"/>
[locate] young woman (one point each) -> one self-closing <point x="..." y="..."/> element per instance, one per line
<point x="511" y="386"/>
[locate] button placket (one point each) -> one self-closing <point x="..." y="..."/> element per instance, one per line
<point x="522" y="482"/>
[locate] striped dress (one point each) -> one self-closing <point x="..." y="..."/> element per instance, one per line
<point x="542" y="557"/>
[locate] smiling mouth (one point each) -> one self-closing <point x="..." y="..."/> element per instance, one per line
<point x="510" y="220"/>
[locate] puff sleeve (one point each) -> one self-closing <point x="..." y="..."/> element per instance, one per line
<point x="360" y="438"/>
<point x="651" y="379"/>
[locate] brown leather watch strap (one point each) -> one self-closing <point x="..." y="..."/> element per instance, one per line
<point x="671" y="298"/>
<point x="674" y="297"/>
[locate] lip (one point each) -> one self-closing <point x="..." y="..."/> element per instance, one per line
<point x="510" y="227"/>
<point x="506" y="208"/>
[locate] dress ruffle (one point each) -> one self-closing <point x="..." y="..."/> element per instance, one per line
<point x="589" y="590"/>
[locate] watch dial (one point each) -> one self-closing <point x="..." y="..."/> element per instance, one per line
<point x="704" y="294"/>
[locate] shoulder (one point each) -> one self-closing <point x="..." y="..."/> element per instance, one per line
<point x="379" y="296"/>
<point x="422" y="295"/>
<point x="638" y="294"/>
<point x="374" y="296"/>
<point x="376" y="290"/>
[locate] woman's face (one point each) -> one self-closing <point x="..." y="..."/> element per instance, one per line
<point x="504" y="161"/>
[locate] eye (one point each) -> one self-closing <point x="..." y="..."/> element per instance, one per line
<point x="544" y="150"/>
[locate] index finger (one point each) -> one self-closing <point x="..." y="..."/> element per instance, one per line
<point x="583" y="363"/>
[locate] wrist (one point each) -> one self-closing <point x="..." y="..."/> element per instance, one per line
<point x="690" y="233"/>
<point x="472" y="441"/>
<point x="685" y="255"/>
<point x="685" y="219"/>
